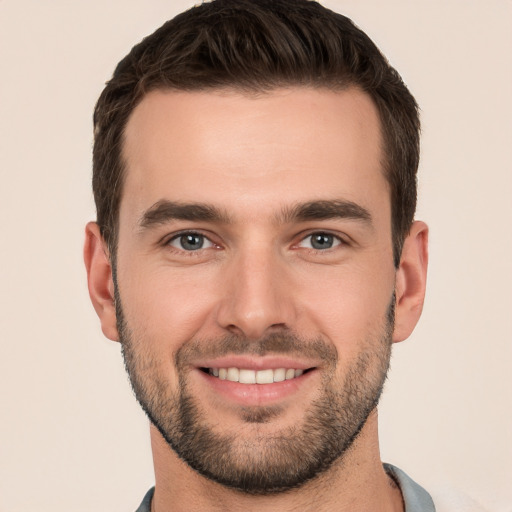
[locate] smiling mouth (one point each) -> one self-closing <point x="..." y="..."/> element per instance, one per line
<point x="245" y="376"/>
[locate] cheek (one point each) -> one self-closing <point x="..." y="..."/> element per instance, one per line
<point x="168" y="308"/>
<point x="347" y="305"/>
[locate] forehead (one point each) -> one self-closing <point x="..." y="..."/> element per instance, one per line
<point x="253" y="152"/>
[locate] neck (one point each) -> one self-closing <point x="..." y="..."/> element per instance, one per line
<point x="356" y="483"/>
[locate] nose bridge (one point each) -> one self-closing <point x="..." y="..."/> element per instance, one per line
<point x="255" y="296"/>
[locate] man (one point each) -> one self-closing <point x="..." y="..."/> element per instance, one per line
<point x="255" y="254"/>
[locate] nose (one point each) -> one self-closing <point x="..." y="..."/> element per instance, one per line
<point x="257" y="295"/>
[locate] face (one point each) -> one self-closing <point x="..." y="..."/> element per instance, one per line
<point x="255" y="278"/>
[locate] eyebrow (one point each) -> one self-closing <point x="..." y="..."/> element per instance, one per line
<point x="165" y="211"/>
<point x="324" y="210"/>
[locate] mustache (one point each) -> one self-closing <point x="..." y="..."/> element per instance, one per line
<point x="272" y="344"/>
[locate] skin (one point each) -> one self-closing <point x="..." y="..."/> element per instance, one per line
<point x="252" y="157"/>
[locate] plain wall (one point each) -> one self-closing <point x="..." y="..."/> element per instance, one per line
<point x="72" y="437"/>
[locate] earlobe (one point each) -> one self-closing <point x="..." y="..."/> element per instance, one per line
<point x="99" y="279"/>
<point x="411" y="280"/>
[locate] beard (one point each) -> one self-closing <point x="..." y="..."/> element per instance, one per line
<point x="260" y="463"/>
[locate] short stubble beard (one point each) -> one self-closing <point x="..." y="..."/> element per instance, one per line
<point x="260" y="464"/>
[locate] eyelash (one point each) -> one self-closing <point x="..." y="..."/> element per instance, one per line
<point x="177" y="236"/>
<point x="337" y="241"/>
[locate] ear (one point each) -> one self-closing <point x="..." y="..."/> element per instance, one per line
<point x="99" y="280"/>
<point x="411" y="278"/>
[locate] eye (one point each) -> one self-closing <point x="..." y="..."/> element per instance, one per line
<point x="320" y="241"/>
<point x="190" y="242"/>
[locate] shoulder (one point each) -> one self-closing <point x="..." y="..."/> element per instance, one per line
<point x="438" y="499"/>
<point x="416" y="499"/>
<point x="145" y="506"/>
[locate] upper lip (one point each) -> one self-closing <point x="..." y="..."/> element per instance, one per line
<point x="257" y="363"/>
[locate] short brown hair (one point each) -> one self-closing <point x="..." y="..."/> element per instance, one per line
<point x="257" y="45"/>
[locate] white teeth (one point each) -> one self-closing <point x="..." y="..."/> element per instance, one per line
<point x="265" y="376"/>
<point x="245" y="376"/>
<point x="279" y="375"/>
<point x="233" y="374"/>
<point x="290" y="374"/>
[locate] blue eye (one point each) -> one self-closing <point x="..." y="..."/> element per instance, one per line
<point x="320" y="241"/>
<point x="190" y="242"/>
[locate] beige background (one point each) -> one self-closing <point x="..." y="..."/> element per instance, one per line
<point x="72" y="438"/>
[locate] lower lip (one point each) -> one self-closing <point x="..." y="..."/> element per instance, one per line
<point x="256" y="394"/>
